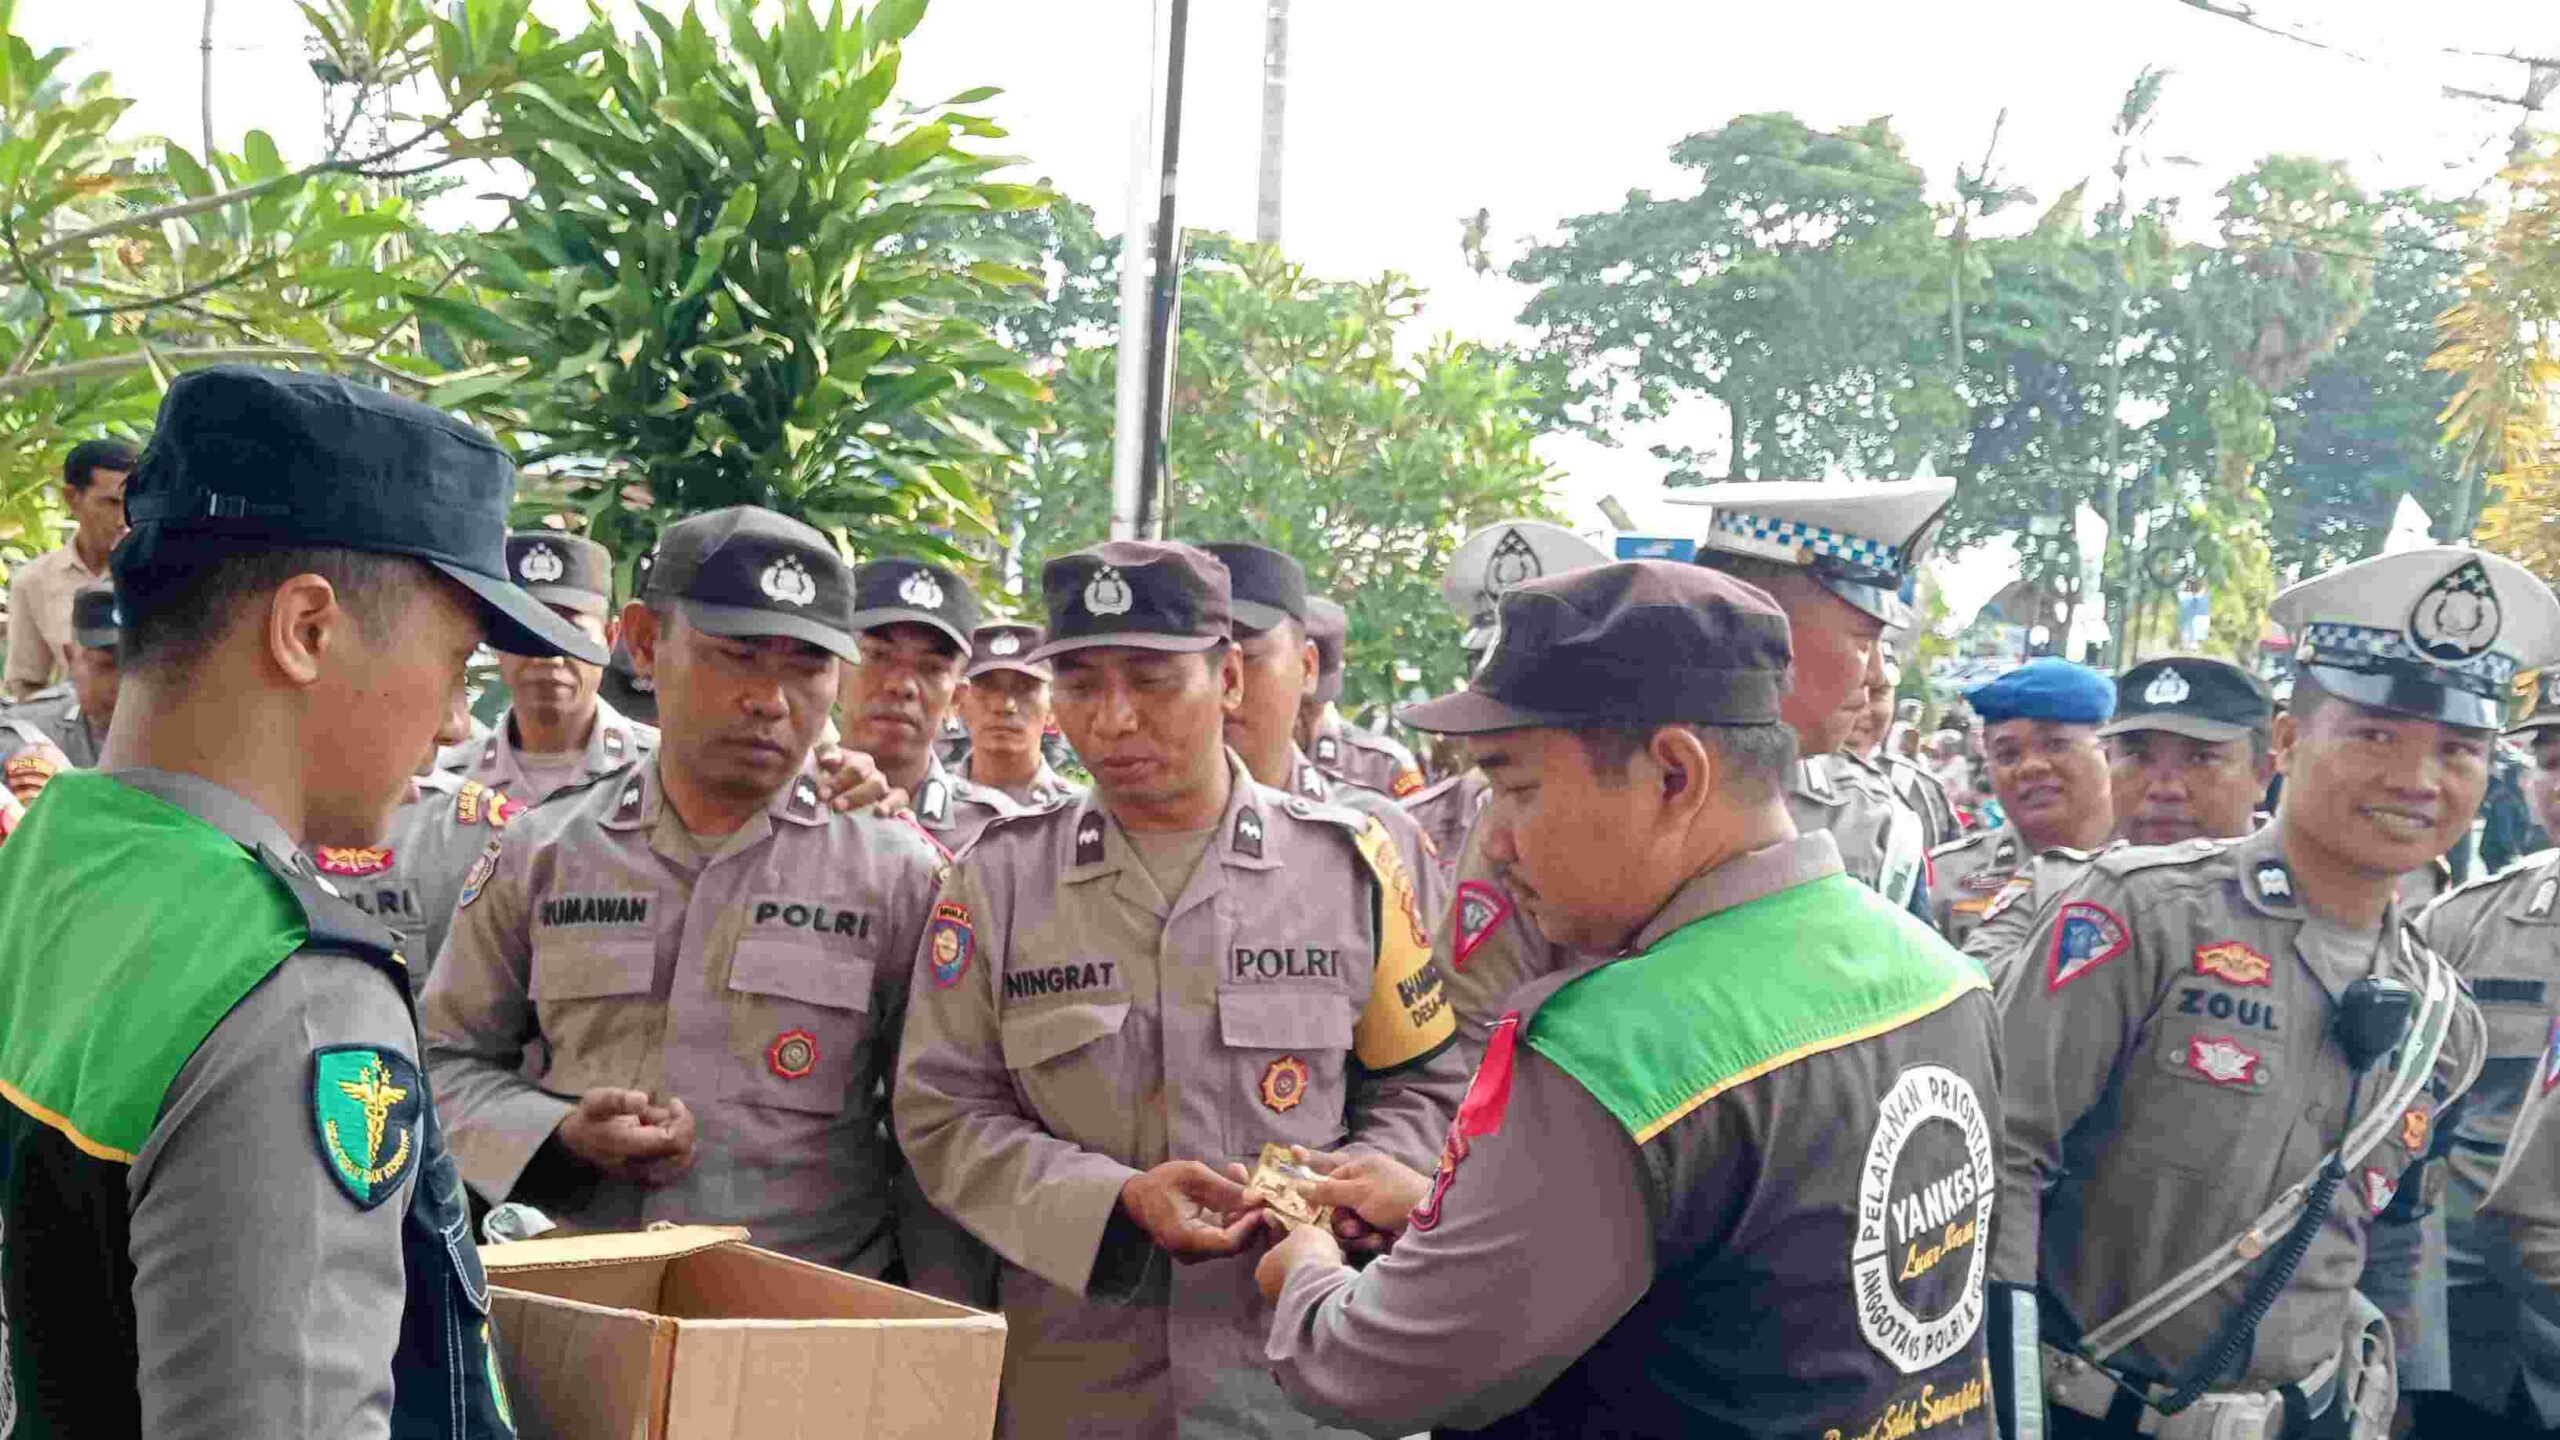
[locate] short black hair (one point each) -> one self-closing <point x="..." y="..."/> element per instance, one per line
<point x="1755" y="759"/>
<point x="80" y="468"/>
<point x="186" y="616"/>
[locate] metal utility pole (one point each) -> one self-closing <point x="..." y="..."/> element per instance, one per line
<point x="1149" y="299"/>
<point x="207" y="103"/>
<point x="1275" y="115"/>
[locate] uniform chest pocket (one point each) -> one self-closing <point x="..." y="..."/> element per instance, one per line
<point x="1287" y="1067"/>
<point x="582" y="968"/>
<point x="1033" y="1038"/>
<point x="2518" y="1011"/>
<point x="1305" y="1020"/>
<point x="798" y="1014"/>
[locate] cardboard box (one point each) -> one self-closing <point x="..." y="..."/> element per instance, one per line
<point x="689" y="1332"/>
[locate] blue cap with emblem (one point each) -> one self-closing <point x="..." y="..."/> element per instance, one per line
<point x="2440" y="632"/>
<point x="2046" y="689"/>
<point x="1859" y="539"/>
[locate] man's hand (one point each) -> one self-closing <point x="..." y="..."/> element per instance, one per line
<point x="1306" y="1245"/>
<point x="848" y="781"/>
<point x="1371" y="1195"/>
<point x="623" y="1134"/>
<point x="1191" y="1211"/>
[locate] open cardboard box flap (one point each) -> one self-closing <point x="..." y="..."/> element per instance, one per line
<point x="689" y="1331"/>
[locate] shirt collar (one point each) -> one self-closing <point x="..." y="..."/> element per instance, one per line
<point x="1745" y="877"/>
<point x="217" y="805"/>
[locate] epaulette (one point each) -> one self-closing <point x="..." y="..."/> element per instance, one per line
<point x="580" y="787"/>
<point x="2521" y="866"/>
<point x="1027" y="813"/>
<point x="1434" y="790"/>
<point x="1963" y="843"/>
<point x="333" y="921"/>
<point x="1318" y="811"/>
<point x="2132" y="858"/>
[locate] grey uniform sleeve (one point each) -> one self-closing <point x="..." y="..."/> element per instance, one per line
<point x="1527" y="1269"/>
<point x="478" y="1014"/>
<point x="265" y="1301"/>
<point x="1042" y="1202"/>
<point x="2405" y="1281"/>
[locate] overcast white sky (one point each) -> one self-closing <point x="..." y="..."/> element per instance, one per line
<point x="1405" y="115"/>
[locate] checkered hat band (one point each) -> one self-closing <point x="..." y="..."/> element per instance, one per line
<point x="1767" y="535"/>
<point x="2389" y="651"/>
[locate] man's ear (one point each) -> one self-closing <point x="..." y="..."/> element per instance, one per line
<point x="304" y="623"/>
<point x="1686" y="769"/>
<point x="639" y="633"/>
<point x="2281" y="737"/>
<point x="1312" y="666"/>
<point x="612" y="632"/>
<point x="1231" y="681"/>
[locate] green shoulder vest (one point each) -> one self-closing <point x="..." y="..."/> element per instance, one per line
<point x="128" y="929"/>
<point x="1743" y="992"/>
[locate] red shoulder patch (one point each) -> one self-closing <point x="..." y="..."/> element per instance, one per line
<point x="2086" y="935"/>
<point x="1405" y="783"/>
<point x="29" y="769"/>
<point x="1475" y="913"/>
<point x="1480" y="1114"/>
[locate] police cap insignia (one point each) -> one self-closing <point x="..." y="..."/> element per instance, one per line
<point x="1514" y="563"/>
<point x="2086" y="935"/>
<point x="921" y="590"/>
<point x="950" y="941"/>
<point x="366" y="1103"/>
<point x="2167" y="688"/>
<point x="2457" y="617"/>
<point x="1107" y="593"/>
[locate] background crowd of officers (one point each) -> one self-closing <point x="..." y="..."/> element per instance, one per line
<point x="1689" y="1062"/>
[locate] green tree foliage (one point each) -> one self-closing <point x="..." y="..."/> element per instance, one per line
<point x="709" y="295"/>
<point x="122" y="261"/>
<point x="1298" y="423"/>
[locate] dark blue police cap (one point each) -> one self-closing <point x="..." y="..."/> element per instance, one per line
<point x="2046" y="689"/>
<point x="244" y="455"/>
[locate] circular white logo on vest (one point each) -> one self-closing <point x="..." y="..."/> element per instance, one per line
<point x="1924" y="1220"/>
<point x="2166" y="688"/>
<point x="921" y="590"/>
<point x="788" y="582"/>
<point x="541" y="565"/>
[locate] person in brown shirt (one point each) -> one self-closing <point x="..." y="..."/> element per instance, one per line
<point x="1004" y="702"/>
<point x="40" y="591"/>
<point x="1733" y="1179"/>
<point x="915" y="621"/>
<point x="557" y="731"/>
<point x="1122" y="996"/>
<point x="2040" y="734"/>
<point x="2228" y="1054"/>
<point x="67" y="730"/>
<point x="1835" y="557"/>
<point x="715" y="964"/>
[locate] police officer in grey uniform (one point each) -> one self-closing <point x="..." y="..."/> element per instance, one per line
<point x="411" y="879"/>
<point x="1688" y="1194"/>
<point x="716" y="963"/>
<point x="233" y="1213"/>
<point x="2503" y="934"/>
<point x="1343" y="751"/>
<point x="2040" y="741"/>
<point x="1269" y="602"/>
<point x="2223" y="1057"/>
<point x="74" y="717"/>
<point x="558" y="731"/>
<point x="1004" y="701"/>
<point x="1835" y="557"/>
<point x="915" y="621"/>
<point x="1123" y="994"/>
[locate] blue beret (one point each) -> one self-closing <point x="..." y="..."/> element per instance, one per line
<point x="2046" y="689"/>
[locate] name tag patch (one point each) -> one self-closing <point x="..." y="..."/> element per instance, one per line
<point x="1068" y="979"/>
<point x="568" y="911"/>
<point x="817" y="918"/>
<point x="2213" y="1004"/>
<point x="1311" y="962"/>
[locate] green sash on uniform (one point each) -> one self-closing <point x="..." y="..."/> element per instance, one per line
<point x="128" y="929"/>
<point x="1743" y="992"/>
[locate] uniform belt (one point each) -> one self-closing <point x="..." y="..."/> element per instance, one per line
<point x="2088" y="1389"/>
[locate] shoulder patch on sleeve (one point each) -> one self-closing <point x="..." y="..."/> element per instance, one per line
<point x="366" y="1103"/>
<point x="478" y="878"/>
<point x="951" y="940"/>
<point x="1479" y="909"/>
<point x="2086" y="935"/>
<point x="1408" y="1017"/>
<point x="1407" y="781"/>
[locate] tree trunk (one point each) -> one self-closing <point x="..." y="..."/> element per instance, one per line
<point x="206" y="50"/>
